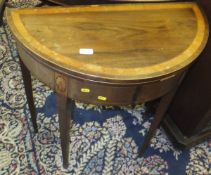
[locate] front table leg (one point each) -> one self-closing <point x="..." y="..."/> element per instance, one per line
<point x="65" y="113"/>
<point x="29" y="94"/>
<point x="160" y="113"/>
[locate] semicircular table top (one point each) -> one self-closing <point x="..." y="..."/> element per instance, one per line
<point x="115" y="42"/>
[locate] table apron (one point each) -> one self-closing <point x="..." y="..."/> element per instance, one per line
<point x="97" y="93"/>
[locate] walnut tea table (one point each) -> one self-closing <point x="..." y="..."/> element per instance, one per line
<point x="107" y="54"/>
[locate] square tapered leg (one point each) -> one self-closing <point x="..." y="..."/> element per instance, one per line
<point x="29" y="94"/>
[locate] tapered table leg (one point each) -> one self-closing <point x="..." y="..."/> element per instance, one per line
<point x="65" y="111"/>
<point x="159" y="114"/>
<point x="29" y="94"/>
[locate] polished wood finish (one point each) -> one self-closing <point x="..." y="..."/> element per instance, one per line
<point x="190" y="111"/>
<point x="140" y="52"/>
<point x="113" y="92"/>
<point x="109" y="54"/>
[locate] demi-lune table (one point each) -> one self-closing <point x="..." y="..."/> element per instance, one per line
<point x="107" y="54"/>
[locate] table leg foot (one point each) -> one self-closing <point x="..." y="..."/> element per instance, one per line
<point x="29" y="94"/>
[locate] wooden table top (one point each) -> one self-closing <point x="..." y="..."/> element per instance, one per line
<point x="114" y="42"/>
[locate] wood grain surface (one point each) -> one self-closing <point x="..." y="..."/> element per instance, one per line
<point x="129" y="42"/>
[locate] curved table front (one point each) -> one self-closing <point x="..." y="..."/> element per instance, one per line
<point x="108" y="54"/>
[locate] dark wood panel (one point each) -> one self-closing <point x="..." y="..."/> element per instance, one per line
<point x="189" y="109"/>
